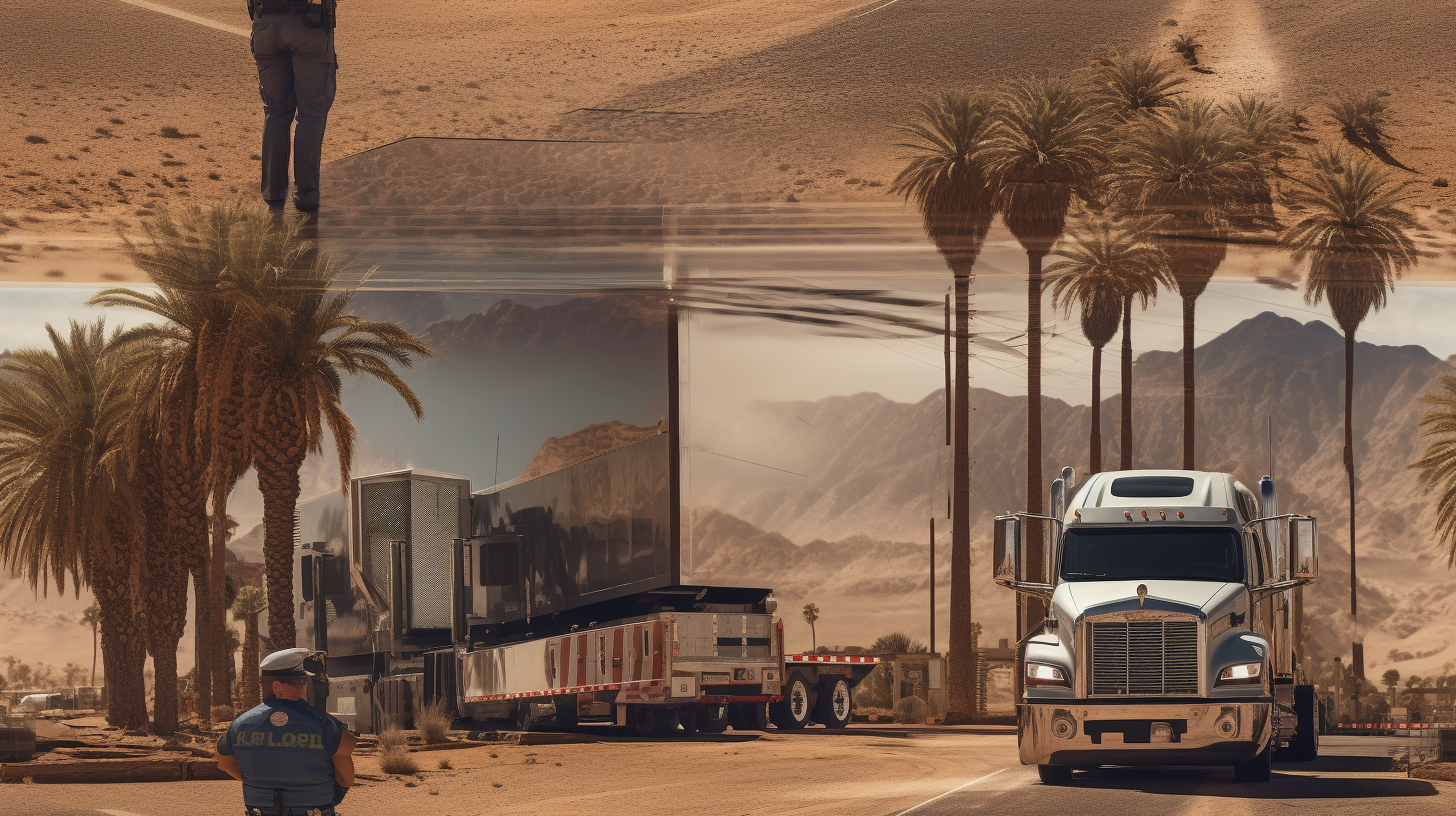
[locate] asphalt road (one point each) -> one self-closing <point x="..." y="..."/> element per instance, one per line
<point x="1352" y="776"/>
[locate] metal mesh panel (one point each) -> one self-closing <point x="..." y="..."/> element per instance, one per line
<point x="384" y="517"/>
<point x="435" y="524"/>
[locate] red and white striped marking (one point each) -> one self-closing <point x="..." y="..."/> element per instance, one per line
<point x="518" y="695"/>
<point x="798" y="658"/>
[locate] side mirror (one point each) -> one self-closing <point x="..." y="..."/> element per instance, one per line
<point x="1303" y="548"/>
<point x="1006" y="550"/>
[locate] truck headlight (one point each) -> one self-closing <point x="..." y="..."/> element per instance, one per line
<point x="1045" y="674"/>
<point x="1241" y="674"/>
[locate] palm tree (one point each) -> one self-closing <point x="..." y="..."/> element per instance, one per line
<point x="303" y="339"/>
<point x="66" y="507"/>
<point x="92" y="618"/>
<point x="1137" y="84"/>
<point x="1192" y="166"/>
<point x="1109" y="263"/>
<point x="202" y="397"/>
<point x="250" y="602"/>
<point x="1047" y="147"/>
<point x="1438" y="463"/>
<point x="945" y="177"/>
<point x="1355" y="232"/>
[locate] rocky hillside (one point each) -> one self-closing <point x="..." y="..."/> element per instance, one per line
<point x="879" y="468"/>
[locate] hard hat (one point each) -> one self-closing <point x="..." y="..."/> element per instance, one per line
<point x="286" y="663"/>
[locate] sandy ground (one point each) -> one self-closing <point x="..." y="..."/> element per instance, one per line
<point x="864" y="772"/>
<point x="808" y="92"/>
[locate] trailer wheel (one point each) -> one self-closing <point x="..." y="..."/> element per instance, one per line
<point x="797" y="707"/>
<point x="1305" y="745"/>
<point x="644" y="719"/>
<point x="523" y="717"/>
<point x="687" y="717"/>
<point x="713" y="719"/>
<point x="749" y="716"/>
<point x="835" y="703"/>
<point x="1055" y="774"/>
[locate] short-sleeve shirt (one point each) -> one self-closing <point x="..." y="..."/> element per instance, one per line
<point x="288" y="746"/>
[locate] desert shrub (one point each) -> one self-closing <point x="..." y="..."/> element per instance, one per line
<point x="392" y="738"/>
<point x="1360" y="116"/>
<point x="398" y="761"/>
<point x="434" y="722"/>
<point x="1187" y="45"/>
<point x="223" y="713"/>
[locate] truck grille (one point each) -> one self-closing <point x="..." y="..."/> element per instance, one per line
<point x="1145" y="657"/>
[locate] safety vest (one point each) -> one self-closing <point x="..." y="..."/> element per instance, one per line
<point x="287" y="746"/>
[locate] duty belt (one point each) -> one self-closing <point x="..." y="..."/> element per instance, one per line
<point x="326" y="810"/>
<point x="282" y="8"/>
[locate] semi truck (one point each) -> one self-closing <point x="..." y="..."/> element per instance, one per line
<point x="551" y="600"/>
<point x="1171" y="632"/>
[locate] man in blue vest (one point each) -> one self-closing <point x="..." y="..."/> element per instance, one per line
<point x="293" y="759"/>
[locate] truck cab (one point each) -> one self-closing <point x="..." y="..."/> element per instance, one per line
<point x="1168" y="636"/>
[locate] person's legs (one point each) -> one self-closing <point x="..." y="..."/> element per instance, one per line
<point x="314" y="67"/>
<point x="275" y="85"/>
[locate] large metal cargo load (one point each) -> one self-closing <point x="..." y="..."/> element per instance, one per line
<point x="1168" y="636"/>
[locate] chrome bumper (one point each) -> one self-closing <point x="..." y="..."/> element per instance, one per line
<point x="1078" y="732"/>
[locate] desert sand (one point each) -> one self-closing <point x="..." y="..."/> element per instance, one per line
<point x="113" y="106"/>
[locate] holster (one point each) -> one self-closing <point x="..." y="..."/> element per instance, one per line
<point x="322" y="15"/>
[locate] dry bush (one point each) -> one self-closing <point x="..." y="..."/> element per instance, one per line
<point x="434" y="721"/>
<point x="392" y="738"/>
<point x="1360" y="116"/>
<point x="222" y="713"/>
<point x="398" y="761"/>
<point x="1187" y="45"/>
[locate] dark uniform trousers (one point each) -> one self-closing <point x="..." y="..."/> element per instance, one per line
<point x="296" y="76"/>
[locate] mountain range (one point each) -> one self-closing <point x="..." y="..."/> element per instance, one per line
<point x="865" y="466"/>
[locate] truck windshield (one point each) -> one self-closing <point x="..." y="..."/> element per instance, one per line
<point x="1175" y="554"/>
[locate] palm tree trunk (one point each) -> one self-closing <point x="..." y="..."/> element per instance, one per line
<point x="1094" y="444"/>
<point x="95" y="643"/>
<point x="249" y="689"/>
<point x="1350" y="453"/>
<point x="1127" y="384"/>
<point x="1188" y="387"/>
<point x="217" y="582"/>
<point x="202" y="646"/>
<point x="123" y="646"/>
<point x="1036" y="557"/>
<point x="279" y="458"/>
<point x="961" y="671"/>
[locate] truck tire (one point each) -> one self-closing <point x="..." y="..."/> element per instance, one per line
<point x="1257" y="769"/>
<point x="835" y="703"/>
<point x="1055" y="774"/>
<point x="523" y="716"/>
<point x="1305" y="745"/>
<point x="797" y="708"/>
<point x="713" y="719"/>
<point x="687" y="717"/>
<point x="748" y="716"/>
<point x="645" y="720"/>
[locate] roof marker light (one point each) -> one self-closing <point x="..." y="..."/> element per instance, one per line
<point x="1077" y="514"/>
<point x="1163" y="514"/>
<point x="1127" y="514"/>
<point x="1223" y="511"/>
<point x="1145" y="515"/>
<point x="1180" y="514"/>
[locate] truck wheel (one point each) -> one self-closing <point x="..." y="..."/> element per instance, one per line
<point x="522" y="716"/>
<point x="687" y="717"/>
<point x="1305" y="745"/>
<point x="1055" y="774"/>
<point x="796" y="709"/>
<point x="666" y="722"/>
<point x="566" y="713"/>
<point x="1258" y="768"/>
<point x="713" y="719"/>
<point x="749" y="716"/>
<point x="835" y="703"/>
<point x="644" y="719"/>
